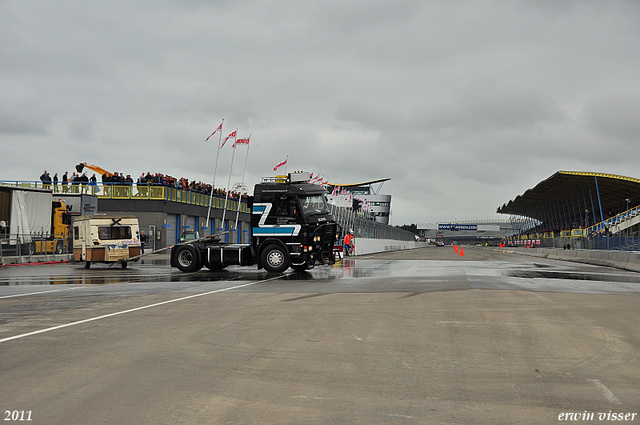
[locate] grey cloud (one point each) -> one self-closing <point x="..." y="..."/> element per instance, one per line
<point x="463" y="104"/>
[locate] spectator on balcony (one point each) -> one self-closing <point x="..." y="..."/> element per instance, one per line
<point x="45" y="178"/>
<point x="93" y="183"/>
<point x="142" y="185"/>
<point x="84" y="181"/>
<point x="65" y="181"/>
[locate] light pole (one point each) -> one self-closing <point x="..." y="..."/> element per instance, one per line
<point x="587" y="217"/>
<point x="626" y="239"/>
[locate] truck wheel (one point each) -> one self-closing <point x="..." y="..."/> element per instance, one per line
<point x="274" y="259"/>
<point x="124" y="264"/>
<point x="187" y="259"/>
<point x="87" y="264"/>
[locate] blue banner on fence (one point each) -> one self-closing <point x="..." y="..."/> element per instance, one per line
<point x="457" y="227"/>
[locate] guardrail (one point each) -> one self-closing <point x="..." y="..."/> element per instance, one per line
<point x="136" y="191"/>
<point x="366" y="228"/>
<point x="601" y="243"/>
<point x="616" y="219"/>
<point x="23" y="245"/>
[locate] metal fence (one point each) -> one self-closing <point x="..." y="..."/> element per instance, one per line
<point x="364" y="227"/>
<point x="137" y="191"/>
<point x="27" y="245"/>
<point x="615" y="243"/>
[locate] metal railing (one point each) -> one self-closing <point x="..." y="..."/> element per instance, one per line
<point x="136" y="191"/>
<point x="28" y="245"/>
<point x="364" y="227"/>
<point x="600" y="242"/>
<point x="615" y="220"/>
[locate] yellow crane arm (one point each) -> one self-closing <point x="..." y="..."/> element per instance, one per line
<point x="95" y="168"/>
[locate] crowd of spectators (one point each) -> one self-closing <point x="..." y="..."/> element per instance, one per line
<point x="142" y="183"/>
<point x="159" y="179"/>
<point x="81" y="180"/>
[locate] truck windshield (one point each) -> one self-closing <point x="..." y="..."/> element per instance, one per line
<point x="315" y="204"/>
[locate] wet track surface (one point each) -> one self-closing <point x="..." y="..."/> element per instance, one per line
<point x="362" y="274"/>
<point x="421" y="336"/>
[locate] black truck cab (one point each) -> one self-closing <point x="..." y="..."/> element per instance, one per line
<point x="291" y="225"/>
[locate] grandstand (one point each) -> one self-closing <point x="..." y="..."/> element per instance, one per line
<point x="582" y="209"/>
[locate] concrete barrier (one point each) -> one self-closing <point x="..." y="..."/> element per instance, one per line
<point x="370" y="246"/>
<point x="617" y="259"/>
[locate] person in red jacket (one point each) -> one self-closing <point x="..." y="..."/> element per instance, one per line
<point x="349" y="243"/>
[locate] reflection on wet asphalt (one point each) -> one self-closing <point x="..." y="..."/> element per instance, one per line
<point x="364" y="274"/>
<point x="599" y="277"/>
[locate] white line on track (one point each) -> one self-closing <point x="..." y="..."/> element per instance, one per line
<point x="80" y="322"/>
<point x="607" y="393"/>
<point x="40" y="292"/>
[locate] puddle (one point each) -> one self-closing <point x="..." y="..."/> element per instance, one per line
<point x="543" y="274"/>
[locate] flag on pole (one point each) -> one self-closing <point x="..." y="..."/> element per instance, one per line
<point x="232" y="135"/>
<point x="280" y="165"/>
<point x="215" y="131"/>
<point x="241" y="141"/>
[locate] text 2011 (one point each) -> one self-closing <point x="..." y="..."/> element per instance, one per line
<point x="17" y="415"/>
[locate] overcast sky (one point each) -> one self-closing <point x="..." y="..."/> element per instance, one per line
<point x="463" y="104"/>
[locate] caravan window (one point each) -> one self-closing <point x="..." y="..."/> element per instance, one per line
<point x="122" y="232"/>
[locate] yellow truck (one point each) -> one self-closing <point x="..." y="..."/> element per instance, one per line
<point x="58" y="239"/>
<point x="106" y="239"/>
<point x="31" y="222"/>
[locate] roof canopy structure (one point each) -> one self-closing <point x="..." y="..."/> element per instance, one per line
<point x="364" y="186"/>
<point x="568" y="198"/>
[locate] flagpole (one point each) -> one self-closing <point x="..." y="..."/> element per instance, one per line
<point x="213" y="183"/>
<point x="226" y="198"/>
<point x="243" y="174"/>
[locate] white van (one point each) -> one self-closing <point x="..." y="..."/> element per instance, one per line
<point x="105" y="239"/>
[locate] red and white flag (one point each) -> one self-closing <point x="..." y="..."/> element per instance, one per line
<point x="280" y="165"/>
<point x="230" y="136"/>
<point x="241" y="141"/>
<point x="215" y="131"/>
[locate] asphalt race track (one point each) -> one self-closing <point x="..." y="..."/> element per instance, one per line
<point x="414" y="337"/>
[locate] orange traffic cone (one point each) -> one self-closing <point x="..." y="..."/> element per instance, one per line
<point x="462" y="251"/>
<point x="455" y="248"/>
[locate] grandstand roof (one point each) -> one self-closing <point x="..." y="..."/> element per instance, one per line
<point x="576" y="191"/>
<point x="359" y="184"/>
